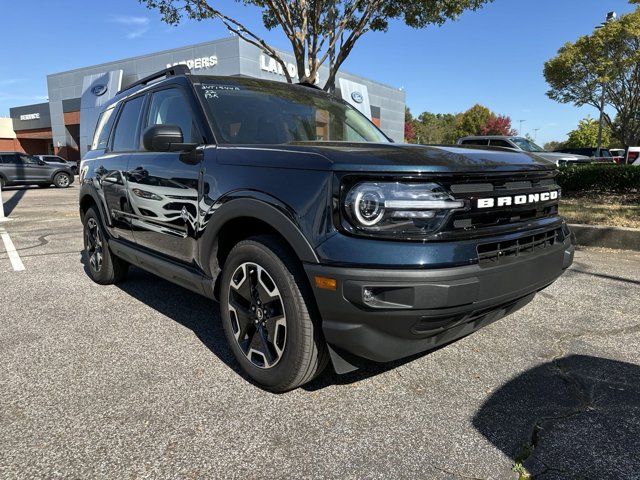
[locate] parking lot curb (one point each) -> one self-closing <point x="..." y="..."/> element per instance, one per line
<point x="608" y="237"/>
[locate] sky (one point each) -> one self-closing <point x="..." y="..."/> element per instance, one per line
<point x="494" y="56"/>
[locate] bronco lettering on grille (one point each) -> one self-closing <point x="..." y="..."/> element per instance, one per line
<point x="531" y="198"/>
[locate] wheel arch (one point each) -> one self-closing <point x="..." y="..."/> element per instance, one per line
<point x="242" y="218"/>
<point x="89" y="198"/>
<point x="59" y="170"/>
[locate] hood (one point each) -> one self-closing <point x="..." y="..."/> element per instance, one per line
<point x="555" y="156"/>
<point x="376" y="157"/>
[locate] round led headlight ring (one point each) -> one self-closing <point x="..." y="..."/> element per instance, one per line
<point x="368" y="207"/>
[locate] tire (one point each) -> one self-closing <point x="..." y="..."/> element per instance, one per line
<point x="103" y="266"/>
<point x="3" y="182"/>
<point x="62" y="180"/>
<point x="283" y="346"/>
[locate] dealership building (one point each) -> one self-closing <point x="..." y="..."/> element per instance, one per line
<point x="64" y="125"/>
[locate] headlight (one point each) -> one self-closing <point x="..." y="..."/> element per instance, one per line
<point x="397" y="209"/>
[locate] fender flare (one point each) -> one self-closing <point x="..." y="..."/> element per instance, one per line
<point x="260" y="207"/>
<point x="88" y="191"/>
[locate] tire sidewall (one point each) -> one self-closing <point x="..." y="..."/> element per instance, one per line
<point x="57" y="176"/>
<point x="285" y="369"/>
<point x="103" y="274"/>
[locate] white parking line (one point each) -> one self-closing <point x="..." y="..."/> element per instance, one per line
<point x="14" y="257"/>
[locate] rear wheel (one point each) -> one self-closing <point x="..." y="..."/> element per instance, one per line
<point x="269" y="316"/>
<point x="62" y="180"/>
<point x="102" y="265"/>
<point x="3" y="182"/>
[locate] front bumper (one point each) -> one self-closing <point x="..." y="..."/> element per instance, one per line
<point x="387" y="314"/>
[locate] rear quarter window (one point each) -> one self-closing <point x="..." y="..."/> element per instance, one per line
<point x="103" y="129"/>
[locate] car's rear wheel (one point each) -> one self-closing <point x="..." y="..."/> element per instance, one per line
<point x="62" y="180"/>
<point x="102" y="265"/>
<point x="269" y="317"/>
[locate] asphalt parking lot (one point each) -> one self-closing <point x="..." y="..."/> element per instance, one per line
<point x="136" y="381"/>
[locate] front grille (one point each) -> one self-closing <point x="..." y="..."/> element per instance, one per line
<point x="473" y="221"/>
<point x="490" y="254"/>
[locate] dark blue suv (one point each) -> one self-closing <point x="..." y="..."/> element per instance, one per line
<point x="320" y="238"/>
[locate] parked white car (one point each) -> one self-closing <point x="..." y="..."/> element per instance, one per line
<point x="633" y="156"/>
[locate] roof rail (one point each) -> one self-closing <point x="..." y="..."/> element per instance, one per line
<point x="175" y="71"/>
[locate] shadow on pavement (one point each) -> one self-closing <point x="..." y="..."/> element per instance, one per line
<point x="575" y="417"/>
<point x="189" y="309"/>
<point x="202" y="317"/>
<point x="12" y="202"/>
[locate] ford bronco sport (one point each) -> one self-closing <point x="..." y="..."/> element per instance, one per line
<point x="320" y="238"/>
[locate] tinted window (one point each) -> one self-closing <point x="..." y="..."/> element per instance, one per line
<point x="103" y="129"/>
<point x="170" y="107"/>
<point x="125" y="137"/>
<point x="10" y="158"/>
<point x="501" y="143"/>
<point x="476" y="141"/>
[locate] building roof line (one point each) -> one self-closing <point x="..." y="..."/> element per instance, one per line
<point x="138" y="57"/>
<point x="203" y="44"/>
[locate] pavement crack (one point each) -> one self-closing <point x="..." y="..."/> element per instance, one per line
<point x="579" y="392"/>
<point x="457" y="474"/>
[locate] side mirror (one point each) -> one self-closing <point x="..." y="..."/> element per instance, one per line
<point x="165" y="138"/>
<point x="41" y="162"/>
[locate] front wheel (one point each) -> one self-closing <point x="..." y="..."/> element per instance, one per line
<point x="102" y="266"/>
<point x="62" y="180"/>
<point x="269" y="316"/>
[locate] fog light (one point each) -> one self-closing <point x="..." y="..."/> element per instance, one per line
<point x="368" y="295"/>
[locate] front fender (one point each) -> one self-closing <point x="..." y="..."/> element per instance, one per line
<point x="260" y="207"/>
<point x="87" y="190"/>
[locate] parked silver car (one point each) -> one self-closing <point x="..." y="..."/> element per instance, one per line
<point x="57" y="160"/>
<point x="525" y="145"/>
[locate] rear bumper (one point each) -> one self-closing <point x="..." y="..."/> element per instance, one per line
<point x="383" y="315"/>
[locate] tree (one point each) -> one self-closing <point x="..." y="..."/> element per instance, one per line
<point x="607" y="60"/>
<point x="409" y="134"/>
<point x="553" y="146"/>
<point x="498" y="125"/>
<point x="472" y="121"/>
<point x="586" y="135"/>
<point x="320" y="31"/>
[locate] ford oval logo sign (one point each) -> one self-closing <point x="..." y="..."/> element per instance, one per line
<point x="99" y="90"/>
<point x="357" y="97"/>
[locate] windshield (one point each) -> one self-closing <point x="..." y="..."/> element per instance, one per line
<point x="247" y="111"/>
<point x="526" y="145"/>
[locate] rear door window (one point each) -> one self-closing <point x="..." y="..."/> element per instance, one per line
<point x="500" y="143"/>
<point x="11" y="159"/>
<point x="125" y="137"/>
<point x="476" y="141"/>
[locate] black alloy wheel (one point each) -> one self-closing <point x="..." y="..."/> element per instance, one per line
<point x="257" y="315"/>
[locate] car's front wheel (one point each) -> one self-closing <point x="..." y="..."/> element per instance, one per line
<point x="269" y="317"/>
<point x="102" y="265"/>
<point x="62" y="180"/>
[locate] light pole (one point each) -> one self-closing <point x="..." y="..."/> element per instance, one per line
<point x="520" y="130"/>
<point x="535" y="133"/>
<point x="611" y="17"/>
<point x="2" y="217"/>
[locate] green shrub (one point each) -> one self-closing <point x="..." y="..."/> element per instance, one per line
<point x="599" y="178"/>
